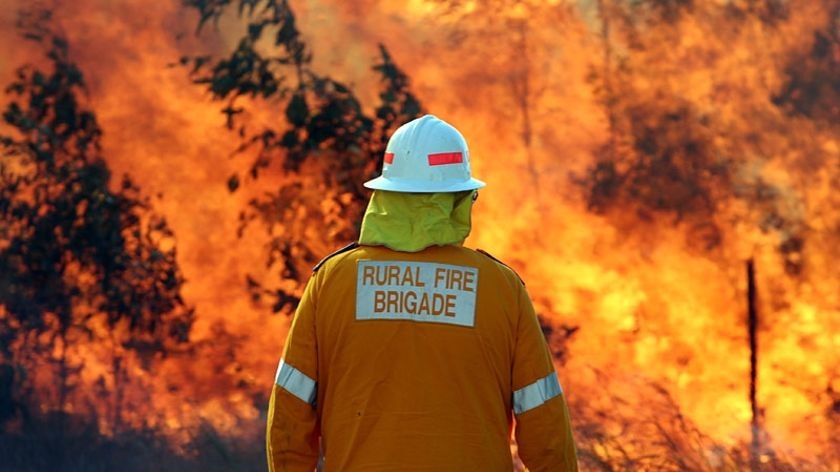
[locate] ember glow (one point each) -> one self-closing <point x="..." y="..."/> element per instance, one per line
<point x="637" y="155"/>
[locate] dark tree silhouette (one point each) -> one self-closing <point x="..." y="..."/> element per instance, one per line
<point x="80" y="260"/>
<point x="667" y="159"/>
<point x="812" y="88"/>
<point x="325" y="145"/>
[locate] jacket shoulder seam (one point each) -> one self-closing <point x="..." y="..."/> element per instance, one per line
<point x="494" y="259"/>
<point x="344" y="249"/>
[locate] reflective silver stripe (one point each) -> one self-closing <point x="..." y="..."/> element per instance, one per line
<point x="534" y="395"/>
<point x="296" y="382"/>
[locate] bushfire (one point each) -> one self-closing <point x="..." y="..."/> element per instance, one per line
<point x="663" y="175"/>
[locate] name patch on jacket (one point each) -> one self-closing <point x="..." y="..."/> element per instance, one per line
<point x="416" y="291"/>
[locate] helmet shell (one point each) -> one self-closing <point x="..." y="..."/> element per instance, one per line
<point x="426" y="155"/>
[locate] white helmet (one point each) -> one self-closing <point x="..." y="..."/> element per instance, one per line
<point x="426" y="155"/>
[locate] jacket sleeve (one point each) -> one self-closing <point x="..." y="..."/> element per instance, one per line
<point x="543" y="430"/>
<point x="292" y="430"/>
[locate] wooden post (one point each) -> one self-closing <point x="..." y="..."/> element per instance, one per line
<point x="752" y="326"/>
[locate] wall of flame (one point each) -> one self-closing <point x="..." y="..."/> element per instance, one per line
<point x="651" y="309"/>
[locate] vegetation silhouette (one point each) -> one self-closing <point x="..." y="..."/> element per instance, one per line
<point x="667" y="158"/>
<point x="81" y="263"/>
<point x="325" y="145"/>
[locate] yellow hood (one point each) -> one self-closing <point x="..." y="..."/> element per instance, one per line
<point x="411" y="222"/>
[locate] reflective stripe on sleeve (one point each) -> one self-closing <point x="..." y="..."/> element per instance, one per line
<point x="535" y="394"/>
<point x="296" y="382"/>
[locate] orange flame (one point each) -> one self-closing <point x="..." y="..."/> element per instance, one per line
<point x="659" y="319"/>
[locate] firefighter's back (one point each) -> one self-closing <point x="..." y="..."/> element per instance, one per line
<point x="414" y="359"/>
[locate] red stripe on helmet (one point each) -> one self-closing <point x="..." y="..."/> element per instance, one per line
<point x="443" y="158"/>
<point x="389" y="157"/>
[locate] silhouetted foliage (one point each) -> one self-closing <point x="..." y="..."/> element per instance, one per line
<point x="138" y="450"/>
<point x="768" y="11"/>
<point x="654" y="11"/>
<point x="664" y="157"/>
<point x="661" y="162"/>
<point x="667" y="164"/>
<point x="813" y="76"/>
<point x="325" y="145"/>
<point x="615" y="435"/>
<point x="80" y="261"/>
<point x="558" y="336"/>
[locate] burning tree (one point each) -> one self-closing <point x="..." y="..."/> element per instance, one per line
<point x="698" y="153"/>
<point x="326" y="146"/>
<point x="676" y="155"/>
<point x="89" y="283"/>
<point x="813" y="75"/>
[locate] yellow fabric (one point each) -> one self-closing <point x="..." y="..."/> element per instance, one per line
<point x="411" y="222"/>
<point x="399" y="394"/>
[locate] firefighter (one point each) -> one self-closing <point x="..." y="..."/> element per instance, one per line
<point x="409" y="351"/>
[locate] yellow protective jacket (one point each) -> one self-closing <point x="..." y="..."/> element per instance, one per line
<point x="410" y="361"/>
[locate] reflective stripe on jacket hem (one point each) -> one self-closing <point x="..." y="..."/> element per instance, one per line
<point x="535" y="394"/>
<point x="296" y="382"/>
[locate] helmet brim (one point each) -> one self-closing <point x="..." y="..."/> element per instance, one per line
<point x="381" y="183"/>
